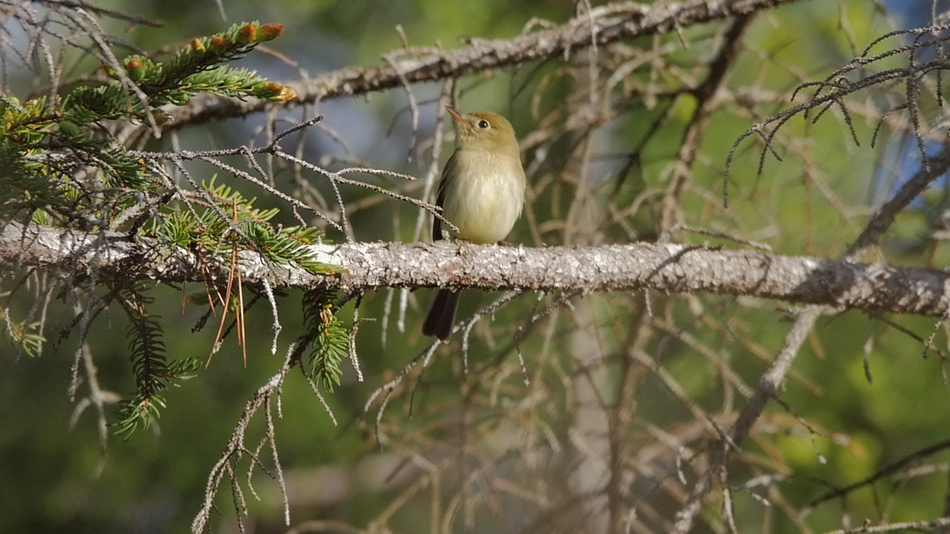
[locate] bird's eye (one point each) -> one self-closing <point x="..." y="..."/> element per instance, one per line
<point x="483" y="124"/>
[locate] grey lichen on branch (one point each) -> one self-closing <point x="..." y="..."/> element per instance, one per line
<point x="603" y="25"/>
<point x="668" y="268"/>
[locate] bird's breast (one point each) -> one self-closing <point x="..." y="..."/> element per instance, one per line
<point x="485" y="203"/>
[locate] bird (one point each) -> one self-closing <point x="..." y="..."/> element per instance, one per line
<point x="481" y="192"/>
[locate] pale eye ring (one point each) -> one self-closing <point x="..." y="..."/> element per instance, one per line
<point x="483" y="124"/>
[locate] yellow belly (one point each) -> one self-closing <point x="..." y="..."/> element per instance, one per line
<point x="485" y="205"/>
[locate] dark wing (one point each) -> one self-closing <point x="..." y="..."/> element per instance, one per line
<point x="437" y="223"/>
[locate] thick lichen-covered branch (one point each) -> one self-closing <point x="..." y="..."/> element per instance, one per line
<point x="669" y="268"/>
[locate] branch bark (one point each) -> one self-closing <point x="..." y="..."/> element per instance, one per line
<point x="603" y="25"/>
<point x="668" y="268"/>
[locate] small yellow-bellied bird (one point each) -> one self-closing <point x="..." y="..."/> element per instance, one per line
<point x="482" y="193"/>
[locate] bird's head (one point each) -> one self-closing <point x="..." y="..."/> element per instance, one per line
<point x="484" y="130"/>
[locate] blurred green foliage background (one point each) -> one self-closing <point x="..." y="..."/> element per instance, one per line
<point x="57" y="478"/>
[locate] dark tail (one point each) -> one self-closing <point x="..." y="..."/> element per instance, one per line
<point x="441" y="315"/>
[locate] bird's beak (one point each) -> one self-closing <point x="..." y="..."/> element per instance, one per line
<point x="456" y="116"/>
